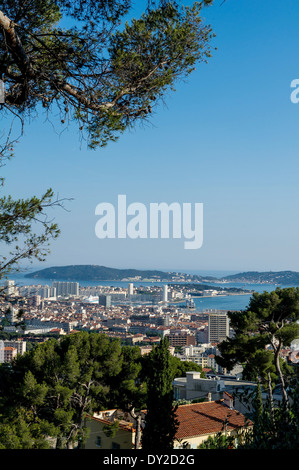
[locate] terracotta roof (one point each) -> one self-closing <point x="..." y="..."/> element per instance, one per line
<point x="206" y="418"/>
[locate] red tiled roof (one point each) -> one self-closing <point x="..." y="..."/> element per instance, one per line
<point x="206" y="418"/>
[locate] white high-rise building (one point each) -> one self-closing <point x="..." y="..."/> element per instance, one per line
<point x="130" y="289"/>
<point x="66" y="288"/>
<point x="9" y="287"/>
<point x="12" y="315"/>
<point x="165" y="293"/>
<point x="47" y="292"/>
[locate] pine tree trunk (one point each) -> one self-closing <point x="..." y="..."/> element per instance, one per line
<point x="271" y="397"/>
<point x="279" y="373"/>
<point x="138" y="432"/>
<point x="137" y="418"/>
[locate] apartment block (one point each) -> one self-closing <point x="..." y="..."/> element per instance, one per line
<point x="181" y="339"/>
<point x="19" y="345"/>
<point x="218" y="329"/>
<point x="65" y="288"/>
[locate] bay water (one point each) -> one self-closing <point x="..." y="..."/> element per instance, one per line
<point x="219" y="302"/>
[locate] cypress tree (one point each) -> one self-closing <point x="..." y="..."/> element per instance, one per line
<point x="160" y="422"/>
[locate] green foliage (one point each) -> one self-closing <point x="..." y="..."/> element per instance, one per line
<point x="99" y="71"/>
<point x="179" y="368"/>
<point x="160" y="421"/>
<point x="127" y="389"/>
<point x="60" y="382"/>
<point x="18" y="221"/>
<point x="220" y="441"/>
<point x="111" y="429"/>
<point x="23" y="430"/>
<point x="275" y="428"/>
<point x="51" y="389"/>
<point x="269" y="324"/>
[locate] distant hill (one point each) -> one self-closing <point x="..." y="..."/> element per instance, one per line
<point x="268" y="277"/>
<point x="103" y="273"/>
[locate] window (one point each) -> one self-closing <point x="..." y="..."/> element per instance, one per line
<point x="98" y="441"/>
<point x="177" y="394"/>
<point x="115" y="445"/>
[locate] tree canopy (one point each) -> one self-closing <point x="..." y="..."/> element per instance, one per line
<point x="160" y="420"/>
<point x="26" y="229"/>
<point x="269" y="324"/>
<point x="46" y="394"/>
<point x="94" y="62"/>
<point x="56" y="384"/>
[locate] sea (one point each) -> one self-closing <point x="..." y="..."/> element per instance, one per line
<point x="220" y="302"/>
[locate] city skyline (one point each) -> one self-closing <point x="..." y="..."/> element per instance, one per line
<point x="227" y="138"/>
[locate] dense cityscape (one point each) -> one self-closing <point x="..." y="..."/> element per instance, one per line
<point x="138" y="317"/>
<point x="133" y="314"/>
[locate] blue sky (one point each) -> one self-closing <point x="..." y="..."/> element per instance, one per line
<point x="228" y="138"/>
